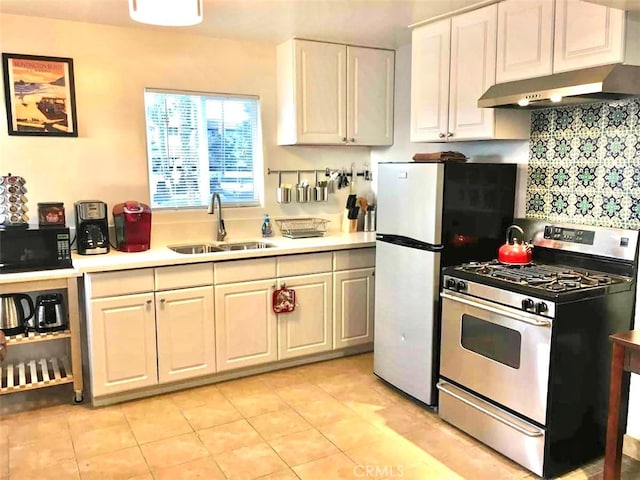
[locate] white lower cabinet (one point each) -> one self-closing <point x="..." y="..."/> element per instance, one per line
<point x="138" y="340"/>
<point x="245" y="324"/>
<point x="185" y="333"/>
<point x="353" y="307"/>
<point x="123" y="344"/>
<point x="308" y="328"/>
<point x="248" y="332"/>
<point x="149" y="326"/>
<point x="153" y="326"/>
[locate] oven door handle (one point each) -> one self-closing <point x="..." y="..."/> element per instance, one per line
<point x="484" y="306"/>
<point x="442" y="386"/>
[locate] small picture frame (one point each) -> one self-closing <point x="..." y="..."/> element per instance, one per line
<point x="40" y="95"/>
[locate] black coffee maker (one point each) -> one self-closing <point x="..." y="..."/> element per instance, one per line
<point x="92" y="227"/>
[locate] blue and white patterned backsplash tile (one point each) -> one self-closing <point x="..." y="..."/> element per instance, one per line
<point x="584" y="164"/>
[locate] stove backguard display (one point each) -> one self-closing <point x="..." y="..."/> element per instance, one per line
<point x="572" y="235"/>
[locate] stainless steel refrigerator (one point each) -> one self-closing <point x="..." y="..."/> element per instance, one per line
<point x="429" y="215"/>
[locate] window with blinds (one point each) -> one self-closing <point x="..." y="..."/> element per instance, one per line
<point x="199" y="144"/>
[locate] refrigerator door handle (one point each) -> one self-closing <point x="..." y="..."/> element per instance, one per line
<point x="409" y="242"/>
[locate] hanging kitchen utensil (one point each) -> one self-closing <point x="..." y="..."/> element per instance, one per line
<point x="284" y="299"/>
<point x="513" y="252"/>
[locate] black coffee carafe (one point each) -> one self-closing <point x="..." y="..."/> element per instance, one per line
<point x="50" y="314"/>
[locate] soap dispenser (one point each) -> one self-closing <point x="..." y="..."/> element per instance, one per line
<point x="267" y="229"/>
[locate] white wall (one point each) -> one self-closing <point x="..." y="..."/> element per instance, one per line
<point x="108" y="159"/>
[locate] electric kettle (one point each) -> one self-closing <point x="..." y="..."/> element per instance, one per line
<point x="50" y="315"/>
<point x="13" y="319"/>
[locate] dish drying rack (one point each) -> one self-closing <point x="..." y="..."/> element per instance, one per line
<point x="302" y="227"/>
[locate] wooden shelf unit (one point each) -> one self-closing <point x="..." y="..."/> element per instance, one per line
<point x="45" y="372"/>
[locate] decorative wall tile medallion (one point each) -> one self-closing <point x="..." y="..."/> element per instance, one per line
<point x="584" y="164"/>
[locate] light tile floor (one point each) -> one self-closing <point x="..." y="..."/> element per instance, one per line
<point x="327" y="421"/>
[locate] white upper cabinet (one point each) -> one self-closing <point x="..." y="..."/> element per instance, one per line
<point x="370" y="80"/>
<point x="473" y="71"/>
<point x="586" y="35"/>
<point x="430" y="55"/>
<point x="525" y="39"/>
<point x="541" y="37"/>
<point x="334" y="94"/>
<point x="453" y="63"/>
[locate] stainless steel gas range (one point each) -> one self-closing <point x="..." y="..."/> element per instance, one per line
<point x="525" y="355"/>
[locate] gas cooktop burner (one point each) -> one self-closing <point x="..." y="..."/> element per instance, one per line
<point x="549" y="277"/>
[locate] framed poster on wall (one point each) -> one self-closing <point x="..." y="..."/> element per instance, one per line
<point x="40" y="97"/>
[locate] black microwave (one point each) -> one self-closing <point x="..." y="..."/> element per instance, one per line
<point x="25" y="249"/>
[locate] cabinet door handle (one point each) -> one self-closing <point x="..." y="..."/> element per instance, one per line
<point x="149" y="302"/>
<point x="344" y="139"/>
<point x="449" y="134"/>
<point x="441" y="135"/>
<point x="162" y="300"/>
<point x="353" y="140"/>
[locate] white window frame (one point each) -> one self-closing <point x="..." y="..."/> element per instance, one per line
<point x="204" y="180"/>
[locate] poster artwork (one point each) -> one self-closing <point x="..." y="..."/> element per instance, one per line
<point x="40" y="95"/>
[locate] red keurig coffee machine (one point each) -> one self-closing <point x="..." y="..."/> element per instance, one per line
<point x="132" y="222"/>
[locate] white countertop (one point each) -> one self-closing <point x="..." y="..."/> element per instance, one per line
<point x="39" y="275"/>
<point x="162" y="256"/>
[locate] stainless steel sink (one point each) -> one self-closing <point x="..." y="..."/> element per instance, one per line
<point x="196" y="249"/>
<point x="219" y="247"/>
<point x="245" y="246"/>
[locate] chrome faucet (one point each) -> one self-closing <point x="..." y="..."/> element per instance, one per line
<point x="222" y="232"/>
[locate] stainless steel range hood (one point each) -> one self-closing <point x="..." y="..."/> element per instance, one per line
<point x="596" y="84"/>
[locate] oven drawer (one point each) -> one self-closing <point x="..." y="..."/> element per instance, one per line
<point x="521" y="441"/>
<point x="499" y="352"/>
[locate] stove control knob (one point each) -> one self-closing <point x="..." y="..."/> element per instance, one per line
<point x="450" y="284"/>
<point x="527" y="304"/>
<point x="461" y="286"/>
<point x="541" y="307"/>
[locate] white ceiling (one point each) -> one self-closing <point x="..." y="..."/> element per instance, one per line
<point x="381" y="23"/>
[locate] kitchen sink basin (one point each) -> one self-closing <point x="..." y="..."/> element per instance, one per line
<point x="220" y="247"/>
<point x="195" y="249"/>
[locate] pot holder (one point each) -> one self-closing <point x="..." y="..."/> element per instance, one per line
<point x="284" y="300"/>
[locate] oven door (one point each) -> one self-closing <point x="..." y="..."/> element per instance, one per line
<point x="498" y="352"/>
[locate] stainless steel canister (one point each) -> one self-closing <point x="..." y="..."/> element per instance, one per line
<point x="370" y="221"/>
<point x="283" y="194"/>
<point x="303" y="193"/>
<point x="321" y="193"/>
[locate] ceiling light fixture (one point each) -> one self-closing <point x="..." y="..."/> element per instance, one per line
<point x="168" y="13"/>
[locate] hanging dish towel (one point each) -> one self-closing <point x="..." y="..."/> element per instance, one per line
<point x="284" y="300"/>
